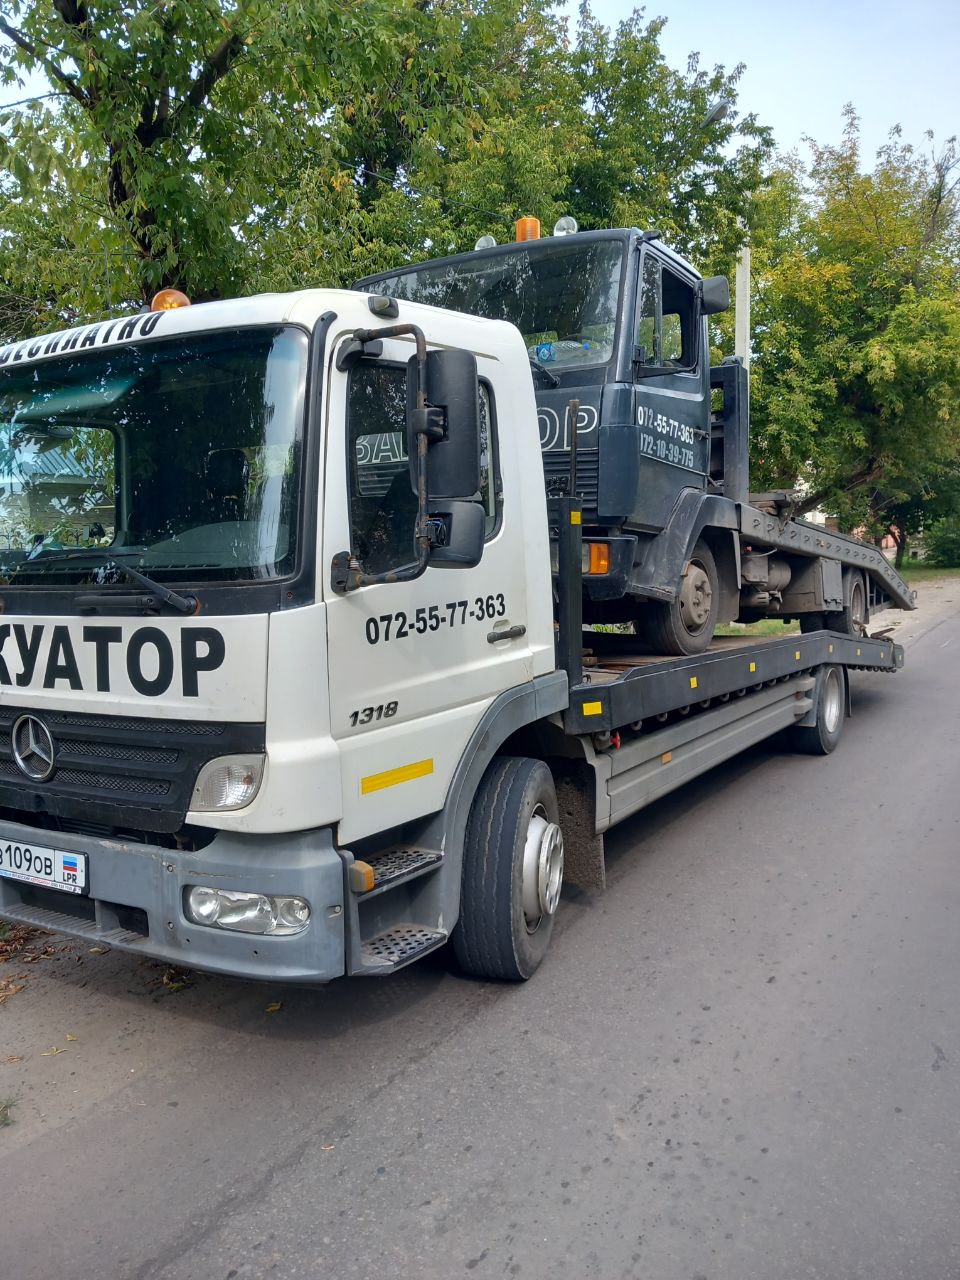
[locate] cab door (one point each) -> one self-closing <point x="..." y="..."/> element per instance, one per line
<point x="671" y="388"/>
<point x="412" y="665"/>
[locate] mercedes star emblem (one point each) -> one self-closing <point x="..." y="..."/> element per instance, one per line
<point x="33" y="748"/>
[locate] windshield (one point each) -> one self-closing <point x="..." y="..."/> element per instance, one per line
<point x="181" y="456"/>
<point x="562" y="298"/>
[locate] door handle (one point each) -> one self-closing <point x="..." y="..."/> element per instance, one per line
<point x="510" y="633"/>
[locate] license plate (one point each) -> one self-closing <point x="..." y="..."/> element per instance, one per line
<point x="47" y="868"/>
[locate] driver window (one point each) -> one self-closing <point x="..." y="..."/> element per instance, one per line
<point x="383" y="507"/>
<point x="666" y="318"/>
<point x="679" y="312"/>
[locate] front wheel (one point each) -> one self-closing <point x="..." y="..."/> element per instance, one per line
<point x="512" y="872"/>
<point x="686" y="625"/>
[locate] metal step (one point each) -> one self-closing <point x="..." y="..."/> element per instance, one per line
<point x="395" y="866"/>
<point x="63" y="922"/>
<point x="399" y="946"/>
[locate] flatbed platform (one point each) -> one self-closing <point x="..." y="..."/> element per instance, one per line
<point x="624" y="685"/>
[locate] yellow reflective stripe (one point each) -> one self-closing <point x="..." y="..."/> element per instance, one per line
<point x="693" y="682"/>
<point x="576" y="517"/>
<point x="390" y="778"/>
<point x="592" y="708"/>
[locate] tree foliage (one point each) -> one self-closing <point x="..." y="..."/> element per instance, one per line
<point x="238" y="144"/>
<point x="857" y="377"/>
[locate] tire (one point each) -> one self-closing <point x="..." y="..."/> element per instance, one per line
<point x="813" y="622"/>
<point x="686" y="625"/>
<point x="821" y="738"/>
<point x="507" y="916"/>
<point x="853" y="620"/>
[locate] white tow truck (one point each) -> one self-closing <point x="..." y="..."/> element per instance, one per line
<point x="289" y="685"/>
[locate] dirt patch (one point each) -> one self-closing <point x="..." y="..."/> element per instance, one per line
<point x="20" y="945"/>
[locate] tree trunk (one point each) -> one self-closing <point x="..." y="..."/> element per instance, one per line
<point x="901" y="538"/>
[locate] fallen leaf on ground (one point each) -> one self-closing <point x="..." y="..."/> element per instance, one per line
<point x="49" y="1053"/>
<point x="8" y="1061"/>
<point x="9" y="988"/>
<point x="175" y="980"/>
<point x="328" y="1147"/>
<point x="99" y="951"/>
<point x="68" y="1036"/>
<point x="275" y="1007"/>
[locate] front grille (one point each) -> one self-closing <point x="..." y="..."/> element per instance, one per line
<point x="118" y="771"/>
<point x="134" y="755"/>
<point x="556" y="475"/>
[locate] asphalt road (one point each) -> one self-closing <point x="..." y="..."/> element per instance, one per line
<point x="740" y="1063"/>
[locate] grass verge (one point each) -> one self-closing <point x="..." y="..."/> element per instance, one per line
<point x="765" y="627"/>
<point x="6" y="1111"/>
<point x="924" y="573"/>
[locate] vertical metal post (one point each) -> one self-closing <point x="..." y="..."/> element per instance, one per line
<point x="741" y="302"/>
<point x="570" y="588"/>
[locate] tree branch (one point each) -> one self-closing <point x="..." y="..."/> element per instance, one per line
<point x="73" y="14"/>
<point x="224" y="56"/>
<point x="53" y="70"/>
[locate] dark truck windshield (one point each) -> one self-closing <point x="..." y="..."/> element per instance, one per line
<point x="562" y="298"/>
<point x="180" y="456"/>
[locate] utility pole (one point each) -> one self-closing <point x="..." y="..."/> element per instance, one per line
<point x="741" y="302"/>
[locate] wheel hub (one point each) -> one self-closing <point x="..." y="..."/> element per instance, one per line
<point x="696" y="597"/>
<point x="542" y="869"/>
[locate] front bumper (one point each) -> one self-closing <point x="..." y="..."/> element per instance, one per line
<point x="135" y="900"/>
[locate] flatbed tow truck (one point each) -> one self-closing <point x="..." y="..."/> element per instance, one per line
<point x="295" y="680"/>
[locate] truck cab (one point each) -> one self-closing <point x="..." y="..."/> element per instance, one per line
<point x="615" y="326"/>
<point x="191" y="694"/>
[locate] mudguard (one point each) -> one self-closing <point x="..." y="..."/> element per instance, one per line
<point x="659" y="574"/>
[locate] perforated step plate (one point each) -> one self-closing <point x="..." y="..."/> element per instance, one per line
<point x="401" y="863"/>
<point x="398" y="946"/>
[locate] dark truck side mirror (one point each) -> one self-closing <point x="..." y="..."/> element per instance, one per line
<point x="453" y="456"/>
<point x="714" y="295"/>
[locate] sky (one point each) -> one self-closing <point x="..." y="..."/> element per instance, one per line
<point x="897" y="63"/>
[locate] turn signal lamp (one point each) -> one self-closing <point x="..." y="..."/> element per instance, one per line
<point x="169" y="300"/>
<point x="528" y="229"/>
<point x="599" y="557"/>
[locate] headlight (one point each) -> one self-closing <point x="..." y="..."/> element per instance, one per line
<point x="229" y="782"/>
<point x="246" y="912"/>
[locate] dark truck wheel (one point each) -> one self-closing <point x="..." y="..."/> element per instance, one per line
<point x="686" y="625"/>
<point x="512" y="872"/>
<point x="819" y="739"/>
<point x="853" y="620"/>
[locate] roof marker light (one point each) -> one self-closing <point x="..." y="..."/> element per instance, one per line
<point x="566" y="226"/>
<point x="486" y="242"/>
<point x="169" y="300"/>
<point x="528" y="229"/>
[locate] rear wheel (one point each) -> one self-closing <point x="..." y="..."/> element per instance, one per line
<point x="820" y="738"/>
<point x="687" y="624"/>
<point x="512" y="872"/>
<point x="853" y="620"/>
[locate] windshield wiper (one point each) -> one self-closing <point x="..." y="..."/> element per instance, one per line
<point x="537" y="367"/>
<point x="110" y="560"/>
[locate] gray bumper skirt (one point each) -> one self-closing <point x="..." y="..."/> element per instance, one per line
<point x="136" y="891"/>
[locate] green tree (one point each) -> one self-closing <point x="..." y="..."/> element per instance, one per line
<point x="180" y="110"/>
<point x="856" y="377"/>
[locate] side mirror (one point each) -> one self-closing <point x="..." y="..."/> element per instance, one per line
<point x="714" y="295"/>
<point x="460" y="529"/>
<point x="453" y="458"/>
